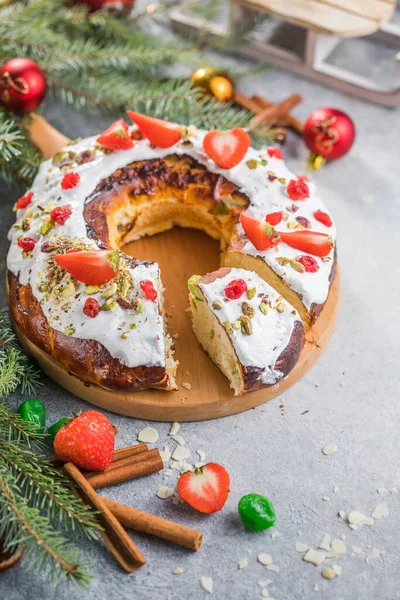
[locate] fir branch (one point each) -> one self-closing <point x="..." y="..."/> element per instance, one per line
<point x="15" y="367"/>
<point x="46" y="488"/>
<point x="47" y="550"/>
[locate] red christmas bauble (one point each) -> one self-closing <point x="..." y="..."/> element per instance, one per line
<point x="22" y="85"/>
<point x="119" y="7"/>
<point x="329" y="132"/>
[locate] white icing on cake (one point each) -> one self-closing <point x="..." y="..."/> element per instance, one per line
<point x="145" y="345"/>
<point x="271" y="332"/>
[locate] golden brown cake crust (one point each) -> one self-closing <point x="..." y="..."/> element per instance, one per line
<point x="87" y="359"/>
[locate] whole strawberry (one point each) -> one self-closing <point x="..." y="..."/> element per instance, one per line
<point x="87" y="441"/>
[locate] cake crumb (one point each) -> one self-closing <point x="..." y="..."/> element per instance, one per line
<point x="263" y="583"/>
<point x="328" y="573"/>
<point x="175" y="427"/>
<point x="243" y="562"/>
<point x="177" y="571"/>
<point x="187" y="385"/>
<point x="300" y="547"/>
<point x="207" y="584"/>
<point x="180" y="453"/>
<point x="201" y="454"/>
<point x="165" y="492"/>
<point x="149" y="435"/>
<point x="380" y="510"/>
<point x="264" y="558"/>
<point x="330" y="449"/>
<point x="273" y="568"/>
<point x="372" y="555"/>
<point x="315" y="557"/>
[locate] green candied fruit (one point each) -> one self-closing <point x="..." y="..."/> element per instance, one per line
<point x="33" y="411"/>
<point x="256" y="512"/>
<point x="54" y="429"/>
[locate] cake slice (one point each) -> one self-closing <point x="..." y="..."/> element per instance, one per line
<point x="252" y="334"/>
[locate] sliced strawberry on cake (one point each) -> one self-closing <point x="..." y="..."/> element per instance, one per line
<point x="312" y="242"/>
<point x="252" y="334"/>
<point x="227" y="148"/>
<point x="159" y="133"/>
<point x="116" y="137"/>
<point x="262" y="235"/>
<point x="93" y="267"/>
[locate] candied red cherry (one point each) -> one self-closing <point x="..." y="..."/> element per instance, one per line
<point x="274" y="218"/>
<point x="60" y="214"/>
<point x="274" y="152"/>
<point x="24" y="201"/>
<point x="323" y="218"/>
<point x="297" y="189"/>
<point x="91" y="308"/>
<point x="309" y="263"/>
<point x="149" y="292"/>
<point x="235" y="289"/>
<point x="27" y="244"/>
<point x="70" y="180"/>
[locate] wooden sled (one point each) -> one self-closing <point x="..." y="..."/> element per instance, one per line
<point x="325" y="24"/>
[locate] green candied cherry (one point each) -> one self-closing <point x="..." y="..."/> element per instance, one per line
<point x="257" y="512"/>
<point x="54" y="429"/>
<point x="33" y="411"/>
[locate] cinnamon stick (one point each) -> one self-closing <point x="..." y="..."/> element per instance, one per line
<point x="153" y="525"/>
<point x="143" y="464"/>
<point x="246" y="102"/>
<point x="118" y="454"/>
<point x="272" y="113"/>
<point x="287" y="120"/>
<point x="115" y="536"/>
<point x="129" y="451"/>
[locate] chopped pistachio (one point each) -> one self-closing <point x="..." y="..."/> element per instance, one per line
<point x="138" y="306"/>
<point x="125" y="335"/>
<point x="297" y="266"/>
<point x="125" y="285"/>
<point x="193" y="289"/>
<point x="69" y="330"/>
<point x="133" y="325"/>
<point x="26" y="224"/>
<point x="282" y="260"/>
<point x="245" y="325"/>
<point x="235" y="371"/>
<point x="212" y="334"/>
<point x="109" y="304"/>
<point x="69" y="290"/>
<point x="236" y="324"/>
<point x="228" y="327"/>
<point x="251" y="292"/>
<point x="291" y="225"/>
<point x="47" y="226"/>
<point x="263" y="308"/>
<point x="280" y="307"/>
<point x="216" y="305"/>
<point x="113" y="257"/>
<point x="92" y="289"/>
<point x="248" y="310"/>
<point x="110" y="291"/>
<point x="252" y="163"/>
<point x="282" y="180"/>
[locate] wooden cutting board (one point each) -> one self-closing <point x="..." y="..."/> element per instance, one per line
<point x="204" y="393"/>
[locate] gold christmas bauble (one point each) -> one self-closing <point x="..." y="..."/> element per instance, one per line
<point x="215" y="82"/>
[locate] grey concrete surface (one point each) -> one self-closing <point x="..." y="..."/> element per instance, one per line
<point x="274" y="451"/>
